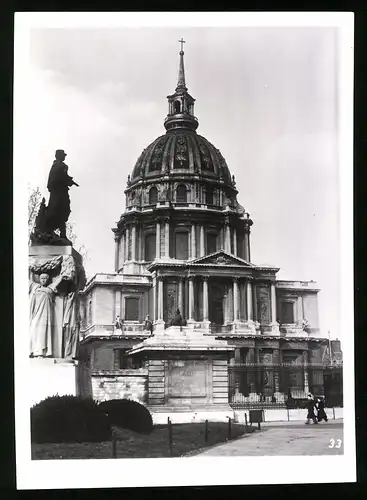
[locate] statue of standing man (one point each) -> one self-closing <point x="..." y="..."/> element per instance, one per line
<point x="58" y="209"/>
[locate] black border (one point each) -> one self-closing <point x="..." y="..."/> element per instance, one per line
<point x="360" y="228"/>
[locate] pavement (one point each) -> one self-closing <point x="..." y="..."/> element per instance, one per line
<point x="285" y="439"/>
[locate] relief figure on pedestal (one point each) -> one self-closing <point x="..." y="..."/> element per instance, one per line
<point x="70" y="325"/>
<point x="54" y="306"/>
<point x="41" y="317"/>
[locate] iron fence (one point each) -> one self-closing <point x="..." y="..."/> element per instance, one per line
<point x="283" y="385"/>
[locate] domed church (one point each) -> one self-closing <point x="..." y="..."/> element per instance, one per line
<point x="188" y="320"/>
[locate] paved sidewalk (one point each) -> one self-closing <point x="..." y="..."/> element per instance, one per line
<point x="284" y="439"/>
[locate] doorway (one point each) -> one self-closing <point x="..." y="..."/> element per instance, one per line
<point x="216" y="298"/>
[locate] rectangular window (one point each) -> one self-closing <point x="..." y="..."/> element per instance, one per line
<point x="287" y="312"/>
<point x="211" y="243"/>
<point x="150" y="247"/>
<point x="132" y="309"/>
<point x="128" y="362"/>
<point x="182" y="246"/>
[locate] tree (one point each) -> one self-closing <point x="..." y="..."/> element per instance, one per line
<point x="34" y="202"/>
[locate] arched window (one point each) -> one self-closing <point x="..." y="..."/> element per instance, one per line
<point x="150" y="247"/>
<point x="153" y="196"/>
<point x="181" y="194"/>
<point x="177" y="106"/>
<point x="209" y="195"/>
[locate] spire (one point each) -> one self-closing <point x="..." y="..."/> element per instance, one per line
<point x="181" y="85"/>
<point x="181" y="103"/>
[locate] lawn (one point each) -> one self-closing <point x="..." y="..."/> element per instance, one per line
<point x="186" y="438"/>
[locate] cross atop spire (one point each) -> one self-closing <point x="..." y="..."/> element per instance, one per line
<point x="182" y="41"/>
<point x="181" y="69"/>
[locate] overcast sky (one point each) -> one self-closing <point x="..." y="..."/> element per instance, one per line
<point x="266" y="97"/>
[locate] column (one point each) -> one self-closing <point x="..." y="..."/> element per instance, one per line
<point x="127" y="237"/>
<point x="235" y="300"/>
<point x="227" y="236"/>
<point x="117" y="252"/>
<point x="273" y="304"/>
<point x="254" y="303"/>
<point x="166" y="239"/>
<point x="154" y="299"/>
<point x="193" y="241"/>
<point x="158" y="241"/>
<point x="133" y="243"/>
<point x="249" y="301"/>
<point x="234" y="241"/>
<point x="122" y="250"/>
<point x="205" y="299"/>
<point x="181" y="296"/>
<point x="191" y="298"/>
<point x="160" y="298"/>
<point x="202" y="241"/>
<point x="247" y="245"/>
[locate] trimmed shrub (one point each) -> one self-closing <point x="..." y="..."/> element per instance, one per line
<point x="128" y="414"/>
<point x="69" y="419"/>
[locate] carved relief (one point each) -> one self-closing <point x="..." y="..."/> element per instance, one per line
<point x="157" y="157"/>
<point x="54" y="306"/>
<point x="164" y="192"/>
<point x="205" y="157"/>
<point x="263" y="304"/>
<point x="181" y="152"/>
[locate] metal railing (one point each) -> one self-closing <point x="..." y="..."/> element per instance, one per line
<point x="284" y="385"/>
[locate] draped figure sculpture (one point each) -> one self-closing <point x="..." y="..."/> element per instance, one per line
<point x="41" y="317"/>
<point x="71" y="325"/>
<point x="54" y="307"/>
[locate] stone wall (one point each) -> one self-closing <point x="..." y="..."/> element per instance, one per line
<point x="124" y="384"/>
<point x="104" y="302"/>
<point x="310" y="309"/>
<point x="103" y="355"/>
<point x="84" y="384"/>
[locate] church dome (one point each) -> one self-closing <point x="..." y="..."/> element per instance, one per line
<point x="181" y="151"/>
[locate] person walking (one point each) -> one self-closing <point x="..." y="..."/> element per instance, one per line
<point x="310" y="405"/>
<point x="321" y="414"/>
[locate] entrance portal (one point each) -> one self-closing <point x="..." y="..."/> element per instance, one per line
<point x="216" y="297"/>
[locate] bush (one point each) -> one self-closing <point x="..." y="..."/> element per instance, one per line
<point x="68" y="419"/>
<point x="128" y="414"/>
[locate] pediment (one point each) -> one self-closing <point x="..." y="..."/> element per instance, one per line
<point x="221" y="258"/>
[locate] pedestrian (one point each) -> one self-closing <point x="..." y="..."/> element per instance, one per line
<point x="310" y="405"/>
<point x="321" y="414"/>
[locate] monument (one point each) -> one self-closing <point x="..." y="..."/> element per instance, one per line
<point x="223" y="331"/>
<point x="56" y="276"/>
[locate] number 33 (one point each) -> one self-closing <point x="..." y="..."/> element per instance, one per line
<point x="335" y="443"/>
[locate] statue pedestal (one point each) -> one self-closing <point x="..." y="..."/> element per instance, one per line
<point x="48" y="377"/>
